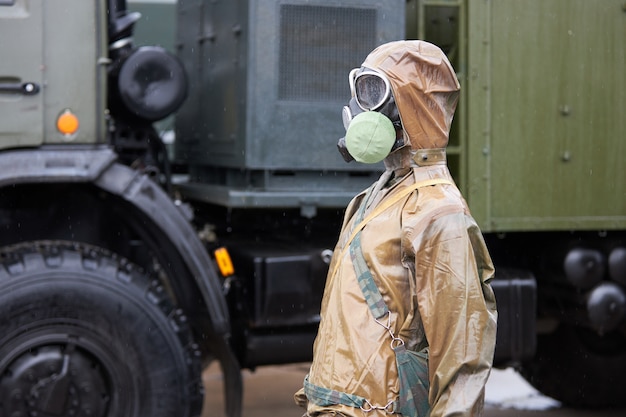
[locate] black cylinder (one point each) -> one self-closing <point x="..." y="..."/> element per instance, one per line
<point x="584" y="268"/>
<point x="617" y="265"/>
<point x="606" y="307"/>
<point x="151" y="84"/>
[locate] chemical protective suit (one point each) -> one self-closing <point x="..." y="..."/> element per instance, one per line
<point x="417" y="240"/>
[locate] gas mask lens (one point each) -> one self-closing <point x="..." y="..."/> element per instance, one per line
<point x="370" y="89"/>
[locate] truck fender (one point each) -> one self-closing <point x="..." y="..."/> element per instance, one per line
<point x="155" y="203"/>
<point x="97" y="165"/>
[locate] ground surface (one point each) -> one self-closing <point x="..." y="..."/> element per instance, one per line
<point x="268" y="392"/>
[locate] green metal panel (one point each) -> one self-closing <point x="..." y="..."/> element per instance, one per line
<point x="267" y="84"/>
<point x="65" y="57"/>
<point x="75" y="60"/>
<point x="157" y="25"/>
<point x="546" y="114"/>
<point x="22" y="115"/>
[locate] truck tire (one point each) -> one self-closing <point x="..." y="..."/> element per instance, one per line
<point x="82" y="333"/>
<point x="580" y="368"/>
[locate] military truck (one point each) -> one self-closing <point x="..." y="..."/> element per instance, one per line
<point x="130" y="261"/>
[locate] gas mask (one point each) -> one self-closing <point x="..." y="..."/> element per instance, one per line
<point x="371" y="118"/>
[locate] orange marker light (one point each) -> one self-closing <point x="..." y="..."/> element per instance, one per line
<point x="67" y="123"/>
<point x="224" y="263"/>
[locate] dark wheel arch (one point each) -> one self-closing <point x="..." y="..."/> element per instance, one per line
<point x="98" y="166"/>
<point x="83" y="333"/>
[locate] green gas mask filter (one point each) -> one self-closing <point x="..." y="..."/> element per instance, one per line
<point x="370" y="137"/>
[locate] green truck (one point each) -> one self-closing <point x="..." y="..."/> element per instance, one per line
<point x="157" y="212"/>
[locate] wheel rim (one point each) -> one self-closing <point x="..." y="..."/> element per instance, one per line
<point x="59" y="371"/>
<point x="118" y="333"/>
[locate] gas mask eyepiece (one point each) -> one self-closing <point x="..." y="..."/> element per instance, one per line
<point x="370" y="89"/>
<point x="371" y="118"/>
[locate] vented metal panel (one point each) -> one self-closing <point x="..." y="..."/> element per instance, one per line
<point x="268" y="80"/>
<point x="339" y="34"/>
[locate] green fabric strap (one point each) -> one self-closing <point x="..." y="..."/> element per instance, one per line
<point x="413" y="379"/>
<point x="368" y="286"/>
<point x="324" y="396"/>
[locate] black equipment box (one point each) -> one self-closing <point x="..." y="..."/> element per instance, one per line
<point x="516" y="295"/>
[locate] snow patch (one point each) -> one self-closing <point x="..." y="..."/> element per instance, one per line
<point x="508" y="389"/>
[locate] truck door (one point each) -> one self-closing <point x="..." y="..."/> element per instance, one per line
<point x="21" y="73"/>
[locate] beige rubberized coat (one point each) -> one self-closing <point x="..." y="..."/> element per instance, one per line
<point x="426" y="254"/>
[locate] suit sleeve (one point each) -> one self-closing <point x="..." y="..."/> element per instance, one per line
<point x="458" y="311"/>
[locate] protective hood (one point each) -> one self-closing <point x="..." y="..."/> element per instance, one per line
<point x="424" y="86"/>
